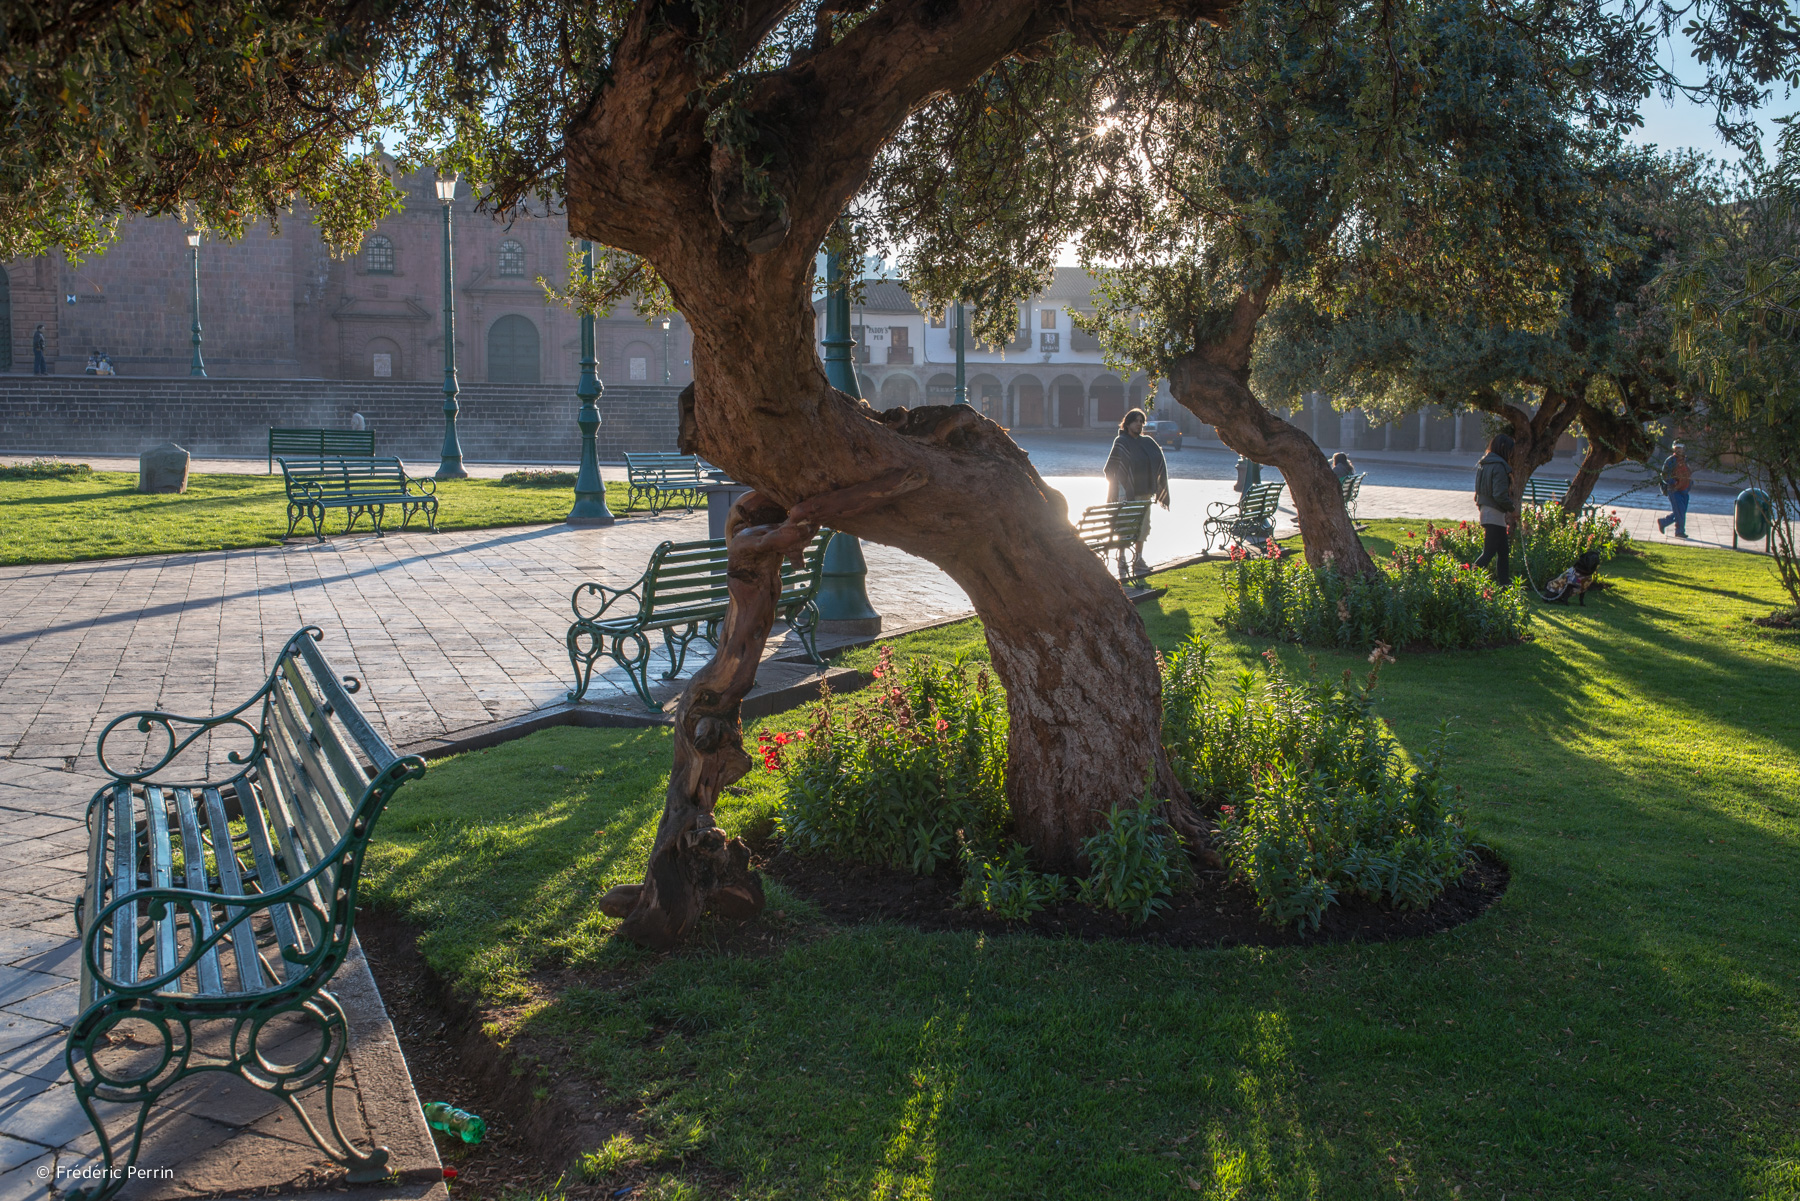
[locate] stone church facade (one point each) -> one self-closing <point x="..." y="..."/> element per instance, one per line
<point x="277" y="305"/>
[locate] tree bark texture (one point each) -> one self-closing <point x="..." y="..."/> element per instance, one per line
<point x="1611" y="439"/>
<point x="1534" y="434"/>
<point x="693" y="865"/>
<point x="1214" y="385"/>
<point x="738" y="253"/>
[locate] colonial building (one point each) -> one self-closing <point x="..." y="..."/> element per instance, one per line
<point x="1050" y="375"/>
<point x="277" y="305"/>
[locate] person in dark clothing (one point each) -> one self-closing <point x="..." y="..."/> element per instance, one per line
<point x="1678" y="485"/>
<point x="1136" y="470"/>
<point x="1493" y="499"/>
<point x="1341" y="466"/>
<point x="38" y="366"/>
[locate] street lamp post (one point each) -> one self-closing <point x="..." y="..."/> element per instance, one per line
<point x="198" y="366"/>
<point x="962" y="383"/>
<point x="590" y="492"/>
<point x="843" y="599"/>
<point x="665" y="325"/>
<point x="452" y="466"/>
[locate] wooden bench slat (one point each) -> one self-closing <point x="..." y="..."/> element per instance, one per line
<point x="322" y="777"/>
<point x="125" y="879"/>
<point x="343" y="763"/>
<point x="269" y="879"/>
<point x="333" y="698"/>
<point x="193" y="856"/>
<point x="242" y="935"/>
<point x="162" y="874"/>
<point x="296" y="809"/>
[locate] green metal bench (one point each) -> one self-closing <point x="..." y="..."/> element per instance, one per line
<point x="1351" y="489"/>
<point x="662" y="478"/>
<point x="682" y="593"/>
<point x="1117" y="526"/>
<point x="318" y="444"/>
<point x="1250" y="519"/>
<point x="216" y="912"/>
<point x="1549" y="490"/>
<point x="357" y="485"/>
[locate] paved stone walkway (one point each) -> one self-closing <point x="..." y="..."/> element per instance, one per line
<point x="446" y="631"/>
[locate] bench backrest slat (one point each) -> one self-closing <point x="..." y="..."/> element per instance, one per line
<point x="321" y="442"/>
<point x="193" y="857"/>
<point x="269" y="877"/>
<point x="317" y="788"/>
<point x="325" y="735"/>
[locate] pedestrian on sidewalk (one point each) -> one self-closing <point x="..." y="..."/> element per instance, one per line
<point x="1493" y="500"/>
<point x="38" y="366"/>
<point x="1341" y="466"/>
<point x="1677" y="484"/>
<point x="1136" y="470"/>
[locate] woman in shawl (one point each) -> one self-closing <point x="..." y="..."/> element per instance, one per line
<point x="1136" y="470"/>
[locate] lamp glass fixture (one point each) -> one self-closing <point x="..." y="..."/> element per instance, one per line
<point x="446" y="187"/>
<point x="193" y="238"/>
<point x="665" y="323"/>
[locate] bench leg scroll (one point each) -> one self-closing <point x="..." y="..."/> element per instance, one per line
<point x="694" y="865"/>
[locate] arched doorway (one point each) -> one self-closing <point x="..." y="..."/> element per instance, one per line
<point x="5" y="321"/>
<point x="1071" y="402"/>
<point x="1109" y="400"/>
<point x="940" y="389"/>
<point x="986" y="395"/>
<point x="512" y="351"/>
<point x="1028" y="397"/>
<point x="899" y="391"/>
<point x="865" y="386"/>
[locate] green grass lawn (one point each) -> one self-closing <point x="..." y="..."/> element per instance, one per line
<point x="103" y="516"/>
<point x="1621" y="1024"/>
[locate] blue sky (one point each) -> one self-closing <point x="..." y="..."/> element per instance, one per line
<point x="1676" y="125"/>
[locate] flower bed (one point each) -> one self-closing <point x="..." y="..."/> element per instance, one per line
<point x="1551" y="538"/>
<point x="1421" y="596"/>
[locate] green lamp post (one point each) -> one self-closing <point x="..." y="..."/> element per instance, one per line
<point x="962" y="383"/>
<point x="197" y="367"/>
<point x="843" y="600"/>
<point x="590" y="492"/>
<point x="451" y="468"/>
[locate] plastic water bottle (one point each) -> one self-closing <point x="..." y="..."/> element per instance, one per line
<point x="451" y="1120"/>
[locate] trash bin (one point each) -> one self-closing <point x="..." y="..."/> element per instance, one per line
<point x="1750" y="516"/>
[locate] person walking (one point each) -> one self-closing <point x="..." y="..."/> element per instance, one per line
<point x="1677" y="485"/>
<point x="38" y="366"/>
<point x="1136" y="470"/>
<point x="1493" y="500"/>
<point x="1341" y="466"/>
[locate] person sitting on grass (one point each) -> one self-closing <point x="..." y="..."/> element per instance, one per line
<point x="1493" y="500"/>
<point x="1136" y="470"/>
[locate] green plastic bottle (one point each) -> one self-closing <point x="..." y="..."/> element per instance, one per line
<point x="451" y="1120"/>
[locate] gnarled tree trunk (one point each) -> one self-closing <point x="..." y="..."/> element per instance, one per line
<point x="1611" y="439"/>
<point x="1214" y="384"/>
<point x="738" y="253"/>
<point x="1534" y="434"/>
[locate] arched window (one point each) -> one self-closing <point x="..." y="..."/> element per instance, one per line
<point x="378" y="256"/>
<point x="512" y="258"/>
<point x="512" y="351"/>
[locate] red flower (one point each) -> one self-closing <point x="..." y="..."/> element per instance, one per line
<point x="942" y="725"/>
<point x="1465" y="567"/>
<point x="781" y="740"/>
<point x="1228" y="811"/>
<point x="877" y="672"/>
<point x="1410" y="534"/>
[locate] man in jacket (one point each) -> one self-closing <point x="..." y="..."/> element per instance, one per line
<point x="38" y="366"/>
<point x="1678" y="483"/>
<point x="1493" y="499"/>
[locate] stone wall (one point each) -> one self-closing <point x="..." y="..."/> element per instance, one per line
<point x="231" y="417"/>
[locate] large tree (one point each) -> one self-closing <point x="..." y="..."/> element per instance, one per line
<point x="1594" y="356"/>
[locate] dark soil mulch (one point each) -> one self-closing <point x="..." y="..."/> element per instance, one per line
<point x="1216" y="914"/>
<point x="1786" y="620"/>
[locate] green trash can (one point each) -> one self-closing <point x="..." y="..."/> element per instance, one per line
<point x="1750" y="517"/>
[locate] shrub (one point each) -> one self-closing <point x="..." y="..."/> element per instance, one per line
<point x="902" y="777"/>
<point x="1552" y="539"/>
<point x="547" y="477"/>
<point x="1135" y="863"/>
<point x="45" y="469"/>
<point x="1416" y="597"/>
<point x="1313" y="798"/>
<point x="1007" y="887"/>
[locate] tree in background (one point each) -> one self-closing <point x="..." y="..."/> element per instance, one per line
<point x="1595" y="356"/>
<point x="1736" y="304"/>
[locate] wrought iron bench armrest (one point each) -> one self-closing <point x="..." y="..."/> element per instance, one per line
<point x="609" y="597"/>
